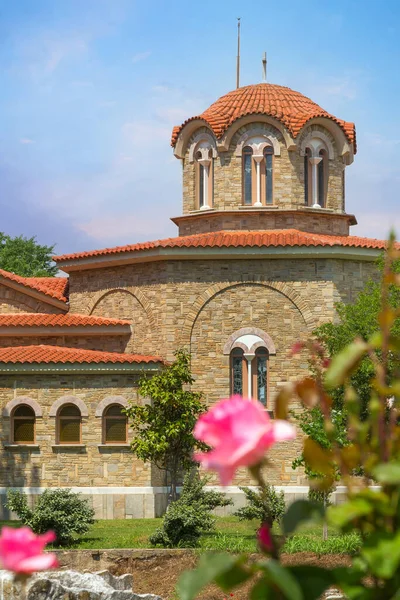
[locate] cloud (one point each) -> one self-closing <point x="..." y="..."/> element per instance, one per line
<point x="140" y="56"/>
<point x="344" y="87"/>
<point x="26" y="141"/>
<point x="126" y="226"/>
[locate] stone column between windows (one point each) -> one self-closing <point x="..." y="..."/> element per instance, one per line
<point x="205" y="162"/>
<point x="249" y="358"/>
<point x="314" y="165"/>
<point x="258" y="158"/>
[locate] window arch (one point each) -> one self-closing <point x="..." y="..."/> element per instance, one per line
<point x="322" y="177"/>
<point x="23" y="425"/>
<point x="115" y="425"/>
<point x="204" y="175"/>
<point x="257" y="172"/>
<point x="69" y="425"/>
<point x="315" y="173"/>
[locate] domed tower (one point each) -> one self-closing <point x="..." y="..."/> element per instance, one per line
<point x="264" y="157"/>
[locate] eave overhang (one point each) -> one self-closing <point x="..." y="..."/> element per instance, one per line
<point x="51" y="331"/>
<point x="81" y="368"/>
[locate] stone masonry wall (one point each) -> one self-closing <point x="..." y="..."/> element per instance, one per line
<point x="106" y="343"/>
<point x="12" y="301"/>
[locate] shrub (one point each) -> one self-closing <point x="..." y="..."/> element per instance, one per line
<point x="267" y="506"/>
<point x="187" y="518"/>
<point x="61" y="510"/>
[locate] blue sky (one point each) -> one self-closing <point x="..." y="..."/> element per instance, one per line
<point x="90" y="90"/>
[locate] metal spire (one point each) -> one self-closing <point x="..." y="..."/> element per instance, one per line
<point x="238" y="56"/>
<point x="264" y="67"/>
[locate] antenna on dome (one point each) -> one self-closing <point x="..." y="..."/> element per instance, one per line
<point x="238" y="56"/>
<point x="264" y="66"/>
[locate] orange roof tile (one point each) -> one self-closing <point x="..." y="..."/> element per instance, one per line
<point x="289" y="107"/>
<point x="58" y="354"/>
<point x="55" y="287"/>
<point x="230" y="239"/>
<point x="60" y="320"/>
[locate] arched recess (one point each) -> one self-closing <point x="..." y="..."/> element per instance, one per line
<point x="186" y="133"/>
<point x="300" y="303"/>
<point x="270" y="140"/>
<point x="202" y="137"/>
<point x="319" y="135"/>
<point x="68" y="400"/>
<point x="9" y="407"/>
<point x="344" y="147"/>
<point x="226" y="139"/>
<point x="132" y="291"/>
<point x="108" y="401"/>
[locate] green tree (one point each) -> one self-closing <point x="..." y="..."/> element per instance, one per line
<point x="26" y="257"/>
<point x="164" y="426"/>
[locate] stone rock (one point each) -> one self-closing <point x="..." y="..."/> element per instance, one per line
<point x="71" y="585"/>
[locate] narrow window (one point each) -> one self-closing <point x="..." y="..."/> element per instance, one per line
<point x="200" y="182"/>
<point x="69" y="425"/>
<point x="307" y="194"/>
<point x="321" y="178"/>
<point x="268" y="154"/>
<point x="115" y="425"/>
<point x="261" y="376"/>
<point x="237" y="371"/>
<point x="247" y="176"/>
<point x="23" y="425"/>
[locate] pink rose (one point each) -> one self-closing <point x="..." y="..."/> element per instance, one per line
<point x="239" y="431"/>
<point x="264" y="538"/>
<point x="21" y="551"/>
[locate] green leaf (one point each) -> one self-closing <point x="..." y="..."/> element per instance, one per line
<point x="209" y="568"/>
<point x="344" y="363"/>
<point x="262" y="591"/>
<point x="300" y="512"/>
<point x="232" y="577"/>
<point x="387" y="473"/>
<point x="340" y="516"/>
<point x="382" y="553"/>
<point x="312" y="580"/>
<point x="282" y="579"/>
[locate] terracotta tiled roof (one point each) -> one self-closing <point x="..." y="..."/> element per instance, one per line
<point x="67" y="320"/>
<point x="289" y="107"/>
<point x="58" y="354"/>
<point x="233" y="239"/>
<point x="55" y="287"/>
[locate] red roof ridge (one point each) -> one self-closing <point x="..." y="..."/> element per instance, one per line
<point x="288" y="106"/>
<point x="58" y="320"/>
<point x="59" y="354"/>
<point x="54" y="287"/>
<point x="235" y="238"/>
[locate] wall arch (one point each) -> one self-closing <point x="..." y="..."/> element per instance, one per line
<point x="68" y="400"/>
<point x="202" y="137"/>
<point x="108" y="401"/>
<point x="132" y="291"/>
<point x="266" y="339"/>
<point x="9" y="407"/>
<point x="320" y="136"/>
<point x="270" y="140"/>
<point x="226" y="140"/>
<point x="205" y="297"/>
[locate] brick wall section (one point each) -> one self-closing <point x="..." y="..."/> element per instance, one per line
<point x="49" y="467"/>
<point x="288" y="174"/>
<point x="12" y="301"/>
<point x="107" y="343"/>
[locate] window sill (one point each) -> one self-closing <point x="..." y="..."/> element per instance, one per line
<point x="21" y="446"/>
<point x="319" y="210"/>
<point x="69" y="446"/>
<point x="271" y="207"/>
<point x="112" y="446"/>
<point x="202" y="211"/>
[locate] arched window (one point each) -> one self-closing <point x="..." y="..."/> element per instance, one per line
<point x="23" y="425"/>
<point x="249" y="374"/>
<point x="307" y="177"/>
<point x="204" y="178"/>
<point x="322" y="173"/>
<point x="260" y="375"/>
<point x="238" y="372"/>
<point x="115" y="425"/>
<point x="69" y="425"/>
<point x="266" y="175"/>
<point x="247" y="176"/>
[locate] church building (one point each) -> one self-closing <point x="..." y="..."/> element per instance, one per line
<point x="262" y="253"/>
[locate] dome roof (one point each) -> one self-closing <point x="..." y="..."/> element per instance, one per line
<point x="291" y="108"/>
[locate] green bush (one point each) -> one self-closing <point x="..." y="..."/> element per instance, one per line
<point x="266" y="506"/>
<point x="187" y="518"/>
<point x="66" y="513"/>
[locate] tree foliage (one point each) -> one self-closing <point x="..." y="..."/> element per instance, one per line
<point x="26" y="257"/>
<point x="266" y="505"/>
<point x="163" y="426"/>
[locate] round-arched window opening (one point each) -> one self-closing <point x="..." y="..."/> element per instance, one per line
<point x="69" y="425"/>
<point x="259" y="370"/>
<point x="247" y="176"/>
<point x="23" y="425"/>
<point x="115" y="425"/>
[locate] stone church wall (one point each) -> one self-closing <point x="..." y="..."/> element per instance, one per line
<point x="12" y="301"/>
<point x="116" y="482"/>
<point x="106" y="343"/>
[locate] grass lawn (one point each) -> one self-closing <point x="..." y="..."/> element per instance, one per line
<point x="230" y="535"/>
